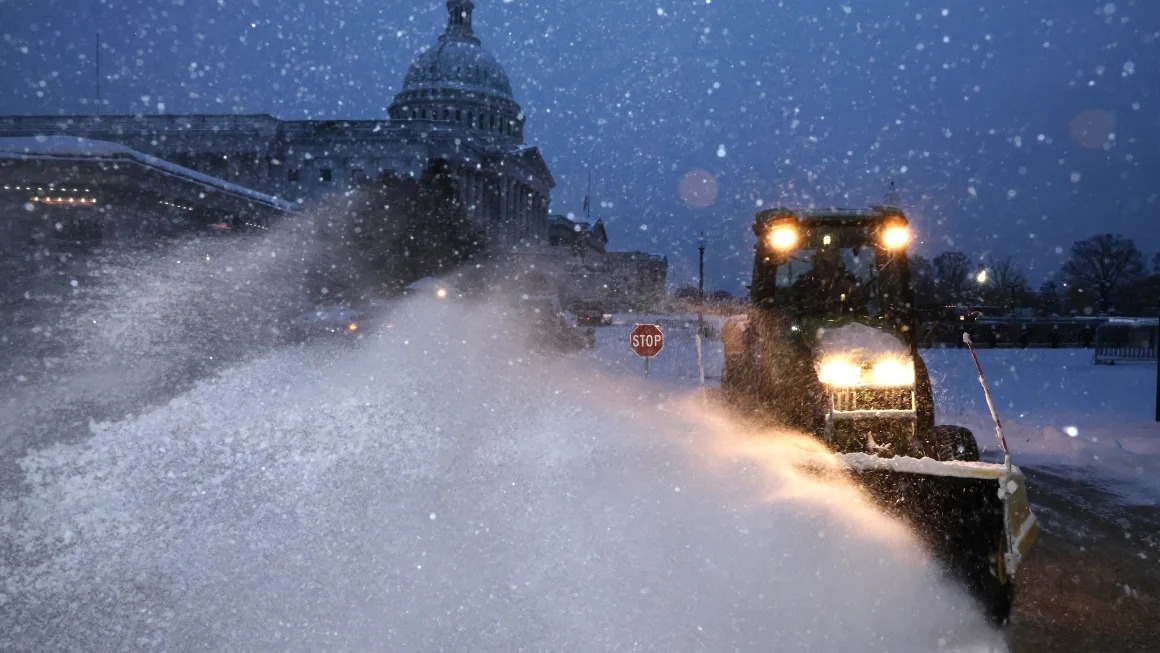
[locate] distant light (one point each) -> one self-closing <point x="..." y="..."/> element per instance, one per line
<point x="981" y="277"/>
<point x="48" y="199"/>
<point x="1071" y="430"/>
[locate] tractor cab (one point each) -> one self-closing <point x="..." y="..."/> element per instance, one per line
<point x="825" y="265"/>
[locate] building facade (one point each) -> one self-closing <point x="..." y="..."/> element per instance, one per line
<point x="456" y="104"/>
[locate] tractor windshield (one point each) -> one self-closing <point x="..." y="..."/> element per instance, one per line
<point x="837" y="272"/>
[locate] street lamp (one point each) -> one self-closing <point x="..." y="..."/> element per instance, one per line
<point x="981" y="278"/>
<point x="701" y="267"/>
<point x="700" y="288"/>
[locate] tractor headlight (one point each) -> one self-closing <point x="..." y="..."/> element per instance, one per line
<point x="839" y="373"/>
<point x="892" y="373"/>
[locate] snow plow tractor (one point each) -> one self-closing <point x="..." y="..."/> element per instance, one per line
<point x="829" y="347"/>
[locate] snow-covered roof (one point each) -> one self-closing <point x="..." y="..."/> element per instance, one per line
<point x="76" y="147"/>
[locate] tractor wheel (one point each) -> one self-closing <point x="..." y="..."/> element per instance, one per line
<point x="952" y="443"/>
<point x="736" y="373"/>
<point x="923" y="395"/>
<point x="994" y="594"/>
<point x="996" y="597"/>
<point x="732" y="374"/>
<point x="984" y="579"/>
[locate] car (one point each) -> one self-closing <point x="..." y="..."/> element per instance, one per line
<point x="590" y="314"/>
<point x="336" y="320"/>
<point x="431" y="287"/>
<point x="593" y="318"/>
<point x="549" y="329"/>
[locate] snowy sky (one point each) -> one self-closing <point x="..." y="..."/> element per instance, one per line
<point x="1010" y="128"/>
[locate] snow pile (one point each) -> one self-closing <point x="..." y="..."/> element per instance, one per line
<point x="140" y="323"/>
<point x="440" y="489"/>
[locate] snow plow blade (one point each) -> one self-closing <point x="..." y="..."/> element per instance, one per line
<point x="974" y="517"/>
<point x="962" y="508"/>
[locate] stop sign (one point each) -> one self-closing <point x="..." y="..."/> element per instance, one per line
<point x="646" y="340"/>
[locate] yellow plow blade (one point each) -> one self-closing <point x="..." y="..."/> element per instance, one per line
<point x="996" y="493"/>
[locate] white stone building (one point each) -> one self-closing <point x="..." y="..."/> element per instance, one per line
<point x="456" y="104"/>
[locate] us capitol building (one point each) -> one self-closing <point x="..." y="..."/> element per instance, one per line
<point x="456" y="104"/>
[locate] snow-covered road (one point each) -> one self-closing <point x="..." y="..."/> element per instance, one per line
<point x="441" y="489"/>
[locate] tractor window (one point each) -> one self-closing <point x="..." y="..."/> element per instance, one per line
<point x="860" y="264"/>
<point x="830" y="280"/>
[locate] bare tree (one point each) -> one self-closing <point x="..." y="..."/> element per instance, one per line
<point x="1049" y="299"/>
<point x="923" y="280"/>
<point x="951" y="272"/>
<point x="1009" y="281"/>
<point x="1105" y="264"/>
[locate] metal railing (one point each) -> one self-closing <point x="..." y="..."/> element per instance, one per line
<point x="1110" y="355"/>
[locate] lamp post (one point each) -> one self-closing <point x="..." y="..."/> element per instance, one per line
<point x="701" y="267"/>
<point x="701" y="285"/>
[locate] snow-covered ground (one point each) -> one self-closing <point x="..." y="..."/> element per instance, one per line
<point x="441" y="489"/>
<point x="1059" y="410"/>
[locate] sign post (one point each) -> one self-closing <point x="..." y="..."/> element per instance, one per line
<point x="646" y="341"/>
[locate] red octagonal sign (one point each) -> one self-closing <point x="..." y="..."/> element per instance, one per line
<point x="646" y="340"/>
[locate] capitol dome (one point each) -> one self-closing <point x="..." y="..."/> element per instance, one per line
<point x="457" y="82"/>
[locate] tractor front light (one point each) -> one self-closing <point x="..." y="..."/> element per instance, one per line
<point x="783" y="237"/>
<point x="842" y="373"/>
<point x="839" y="373"/>
<point x="892" y="373"/>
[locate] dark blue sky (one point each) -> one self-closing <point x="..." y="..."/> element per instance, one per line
<point x="1010" y="128"/>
